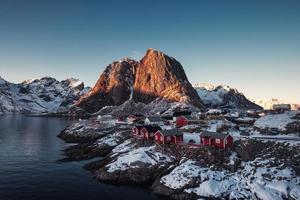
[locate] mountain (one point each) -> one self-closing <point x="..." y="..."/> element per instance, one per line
<point x="39" y="95"/>
<point x="268" y="104"/>
<point x="156" y="76"/>
<point x="223" y="96"/>
<point x="113" y="87"/>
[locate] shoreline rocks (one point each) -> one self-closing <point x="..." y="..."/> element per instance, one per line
<point x="248" y="171"/>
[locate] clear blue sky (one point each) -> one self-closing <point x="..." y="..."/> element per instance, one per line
<point x="251" y="45"/>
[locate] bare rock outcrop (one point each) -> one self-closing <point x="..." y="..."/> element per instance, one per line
<point x="112" y="88"/>
<point x="159" y="75"/>
<point x="155" y="76"/>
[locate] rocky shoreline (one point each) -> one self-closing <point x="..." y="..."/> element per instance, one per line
<point x="179" y="172"/>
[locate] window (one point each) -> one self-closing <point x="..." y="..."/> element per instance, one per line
<point x="218" y="141"/>
<point x="156" y="137"/>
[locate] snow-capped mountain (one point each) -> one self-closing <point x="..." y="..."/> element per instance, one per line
<point x="223" y="96"/>
<point x="268" y="104"/>
<point x="39" y="95"/>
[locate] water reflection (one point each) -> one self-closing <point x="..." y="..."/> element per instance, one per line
<point x="29" y="149"/>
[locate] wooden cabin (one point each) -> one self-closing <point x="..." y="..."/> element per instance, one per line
<point x="184" y="120"/>
<point x="148" y="132"/>
<point x="145" y="131"/>
<point x="282" y="107"/>
<point x="136" y="130"/>
<point x="154" y="120"/>
<point x="180" y="113"/>
<point x="168" y="136"/>
<point x="216" y="139"/>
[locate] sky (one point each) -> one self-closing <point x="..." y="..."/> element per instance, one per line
<point x="253" y="46"/>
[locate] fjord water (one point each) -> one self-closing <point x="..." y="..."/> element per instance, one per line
<point x="29" y="150"/>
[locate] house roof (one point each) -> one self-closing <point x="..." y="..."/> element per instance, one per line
<point x="214" y="135"/>
<point x="149" y="128"/>
<point x="171" y="132"/>
<point x="188" y="117"/>
<point x="179" y="113"/>
<point x="154" y="118"/>
<point x="139" y="127"/>
<point x="139" y="120"/>
<point x="152" y="129"/>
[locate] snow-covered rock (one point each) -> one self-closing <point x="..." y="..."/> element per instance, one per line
<point x="256" y="180"/>
<point x="133" y="159"/>
<point x="39" y="95"/>
<point x="268" y="104"/>
<point x="130" y="163"/>
<point x="159" y="106"/>
<point x="275" y="121"/>
<point x="223" y="96"/>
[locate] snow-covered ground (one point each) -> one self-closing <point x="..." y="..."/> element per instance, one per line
<point x="278" y="121"/>
<point x="254" y="181"/>
<point x="134" y="158"/>
<point x="214" y="125"/>
<point x="188" y="137"/>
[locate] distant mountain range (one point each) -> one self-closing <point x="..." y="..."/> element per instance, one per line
<point x="223" y="96"/>
<point x="39" y="95"/>
<point x="268" y="104"/>
<point x="157" y="78"/>
<point x="217" y="96"/>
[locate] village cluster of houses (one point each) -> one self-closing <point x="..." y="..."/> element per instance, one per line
<point x="166" y="130"/>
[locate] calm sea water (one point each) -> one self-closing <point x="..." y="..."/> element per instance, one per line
<point x="29" y="150"/>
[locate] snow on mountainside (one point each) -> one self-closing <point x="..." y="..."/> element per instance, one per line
<point x="39" y="95"/>
<point x="223" y="96"/>
<point x="268" y="104"/>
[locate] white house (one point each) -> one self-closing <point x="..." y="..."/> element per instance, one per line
<point x="157" y="120"/>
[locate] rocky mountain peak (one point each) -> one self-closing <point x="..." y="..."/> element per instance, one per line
<point x="155" y="76"/>
<point x="38" y="96"/>
<point x="2" y="80"/>
<point x="161" y="76"/>
<point x="112" y="88"/>
<point x="223" y="96"/>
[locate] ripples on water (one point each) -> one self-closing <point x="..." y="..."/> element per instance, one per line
<point x="29" y="149"/>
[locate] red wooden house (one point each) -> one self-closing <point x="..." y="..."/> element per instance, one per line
<point x="184" y="120"/>
<point x="136" y="131"/>
<point x="145" y="131"/>
<point x="149" y="131"/>
<point x="220" y="140"/>
<point x="169" y="136"/>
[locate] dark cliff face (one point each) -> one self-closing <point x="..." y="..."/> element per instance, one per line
<point x="112" y="88"/>
<point x="155" y="76"/>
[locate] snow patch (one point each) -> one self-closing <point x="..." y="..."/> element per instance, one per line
<point x="279" y="121"/>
